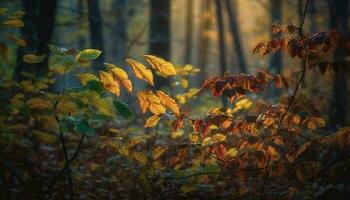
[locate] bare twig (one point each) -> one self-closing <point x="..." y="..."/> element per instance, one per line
<point x="59" y="175"/>
<point x="304" y="63"/>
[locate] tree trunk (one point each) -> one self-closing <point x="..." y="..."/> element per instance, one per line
<point x="275" y="66"/>
<point x="160" y="34"/>
<point x="96" y="32"/>
<point x="203" y="43"/>
<point x="312" y="16"/>
<point x="236" y="36"/>
<point x="120" y="38"/>
<point x="276" y="17"/>
<point x="39" y="23"/>
<point x="223" y="67"/>
<point x="188" y="35"/>
<point x="338" y="10"/>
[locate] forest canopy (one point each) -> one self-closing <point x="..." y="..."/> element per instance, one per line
<point x="174" y="99"/>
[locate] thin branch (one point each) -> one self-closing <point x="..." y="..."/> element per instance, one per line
<point x="59" y="175"/>
<point x="304" y="63"/>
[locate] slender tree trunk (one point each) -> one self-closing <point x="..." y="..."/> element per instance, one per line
<point x="120" y="38"/>
<point x="203" y="43"/>
<point x="96" y="32"/>
<point x="339" y="20"/>
<point x="160" y="34"/>
<point x="231" y="10"/>
<point x="46" y="23"/>
<point x="39" y="24"/>
<point x="80" y="7"/>
<point x="276" y="58"/>
<point x="188" y="35"/>
<point x="223" y="65"/>
<point x="312" y="16"/>
<point x="276" y="17"/>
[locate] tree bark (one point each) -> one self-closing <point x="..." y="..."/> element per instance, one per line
<point x="276" y="17"/>
<point x="223" y="65"/>
<point x="120" y="38"/>
<point x="236" y="36"/>
<point x="203" y="43"/>
<point x="338" y="10"/>
<point x="188" y="35"/>
<point x="39" y="24"/>
<point x="160" y="35"/>
<point x="96" y="32"/>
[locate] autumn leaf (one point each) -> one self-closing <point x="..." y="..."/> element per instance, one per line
<point x="33" y="59"/>
<point x="45" y="138"/>
<point x="152" y="121"/>
<point x="315" y="122"/>
<point x="231" y="153"/>
<point x="141" y="71"/>
<point x="278" y="81"/>
<point x="158" y="151"/>
<point x="15" y="23"/>
<point x="88" y="55"/>
<point x="86" y="77"/>
<point x="141" y="157"/>
<point x="165" y="68"/>
<point x="38" y="103"/>
<point x="120" y="76"/>
<point x="168" y="102"/>
<point x="143" y="102"/>
<point x="109" y="83"/>
<point x="19" y="41"/>
<point x="148" y="100"/>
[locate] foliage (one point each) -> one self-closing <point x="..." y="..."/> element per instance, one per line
<point x="252" y="150"/>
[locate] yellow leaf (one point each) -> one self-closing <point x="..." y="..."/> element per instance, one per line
<point x="193" y="138"/>
<point x="177" y="134"/>
<point x="19" y="41"/>
<point x="184" y="83"/>
<point x="141" y="71"/>
<point x="67" y="107"/>
<point x="121" y="76"/>
<point x="144" y="104"/>
<point x="219" y="137"/>
<point x="152" y="121"/>
<point x="38" y="103"/>
<point x="231" y="153"/>
<point x="168" y="102"/>
<point x="88" y="55"/>
<point x="109" y="83"/>
<point x="31" y="58"/>
<point x="158" y="151"/>
<point x="207" y="141"/>
<point x="16" y="23"/>
<point x="165" y="68"/>
<point x="135" y="140"/>
<point x="141" y="157"/>
<point x="148" y="100"/>
<point x="243" y="104"/>
<point x="86" y="77"/>
<point x="273" y="152"/>
<point x="315" y="122"/>
<point x="44" y="137"/>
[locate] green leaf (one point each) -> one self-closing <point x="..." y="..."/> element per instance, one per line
<point x="56" y="50"/>
<point x="88" y="55"/>
<point x="95" y="86"/>
<point x="123" y="109"/>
